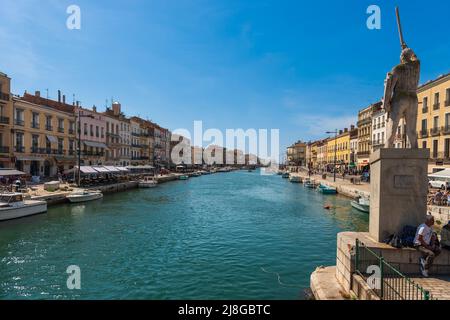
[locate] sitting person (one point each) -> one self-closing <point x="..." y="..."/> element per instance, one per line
<point x="445" y="236"/>
<point x="438" y="198"/>
<point x="427" y="243"/>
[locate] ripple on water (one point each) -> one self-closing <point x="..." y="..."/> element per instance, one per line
<point x="207" y="238"/>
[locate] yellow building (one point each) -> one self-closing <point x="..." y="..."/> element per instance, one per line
<point x="322" y="154"/>
<point x="6" y="116"/>
<point x="343" y="150"/>
<point x="433" y="122"/>
<point x="43" y="136"/>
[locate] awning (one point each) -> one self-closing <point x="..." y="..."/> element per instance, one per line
<point x="122" y="169"/>
<point x="95" y="144"/>
<point x="10" y="172"/>
<point x="145" y="167"/>
<point x="444" y="174"/>
<point x="52" y="139"/>
<point x="101" y="169"/>
<point x="87" y="169"/>
<point x="112" y="169"/>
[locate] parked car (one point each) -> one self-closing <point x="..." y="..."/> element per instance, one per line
<point x="439" y="184"/>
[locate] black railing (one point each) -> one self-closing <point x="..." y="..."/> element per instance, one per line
<point x="19" y="149"/>
<point x="4" y="149"/>
<point x="38" y="150"/>
<point x="35" y="125"/>
<point x="48" y="127"/>
<point x="436" y="106"/>
<point x="435" y="131"/>
<point x="390" y="283"/>
<point x="4" y="96"/>
<point x="61" y="130"/>
<point x="71" y="131"/>
<point x="19" y="122"/>
<point x="423" y="133"/>
<point x="4" y="120"/>
<point x="425" y="110"/>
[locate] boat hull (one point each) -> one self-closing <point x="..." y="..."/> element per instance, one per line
<point x="26" y="211"/>
<point x="145" y="185"/>
<point x="84" y="198"/>
<point x="360" y="207"/>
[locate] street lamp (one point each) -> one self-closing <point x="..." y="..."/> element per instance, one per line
<point x="335" y="151"/>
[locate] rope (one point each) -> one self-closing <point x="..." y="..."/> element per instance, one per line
<point x="281" y="282"/>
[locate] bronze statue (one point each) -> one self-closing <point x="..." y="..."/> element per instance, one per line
<point x="400" y="94"/>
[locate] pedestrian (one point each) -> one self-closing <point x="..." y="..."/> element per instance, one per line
<point x="427" y="243"/>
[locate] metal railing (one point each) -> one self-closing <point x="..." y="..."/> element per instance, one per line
<point x="392" y="284"/>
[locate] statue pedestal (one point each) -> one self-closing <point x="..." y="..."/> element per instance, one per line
<point x="398" y="190"/>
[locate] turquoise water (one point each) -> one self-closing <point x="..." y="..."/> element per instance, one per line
<point x="222" y="236"/>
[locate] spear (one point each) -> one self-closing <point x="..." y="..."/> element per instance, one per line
<point x="400" y="31"/>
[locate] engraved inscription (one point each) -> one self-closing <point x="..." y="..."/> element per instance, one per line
<point x="403" y="182"/>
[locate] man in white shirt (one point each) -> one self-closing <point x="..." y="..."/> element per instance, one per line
<point x="425" y="241"/>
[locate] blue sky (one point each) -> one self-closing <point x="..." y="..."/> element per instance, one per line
<point x="303" y="67"/>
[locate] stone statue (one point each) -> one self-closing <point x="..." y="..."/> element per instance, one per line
<point x="400" y="94"/>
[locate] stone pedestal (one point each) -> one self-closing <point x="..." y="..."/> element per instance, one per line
<point x="398" y="190"/>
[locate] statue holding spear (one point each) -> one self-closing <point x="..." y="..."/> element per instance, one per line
<point x="400" y="93"/>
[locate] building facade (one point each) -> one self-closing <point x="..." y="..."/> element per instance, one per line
<point x="365" y="135"/>
<point x="6" y="117"/>
<point x="296" y="154"/>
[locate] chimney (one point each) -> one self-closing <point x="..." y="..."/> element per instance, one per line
<point x="64" y="99"/>
<point x="59" y="96"/>
<point x="94" y="108"/>
<point x="346" y="130"/>
<point x="37" y="93"/>
<point x="78" y="103"/>
<point x="116" y="108"/>
<point x="340" y="132"/>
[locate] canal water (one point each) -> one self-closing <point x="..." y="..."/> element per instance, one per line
<point x="237" y="235"/>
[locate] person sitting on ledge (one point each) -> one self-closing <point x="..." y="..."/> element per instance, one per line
<point x="427" y="243"/>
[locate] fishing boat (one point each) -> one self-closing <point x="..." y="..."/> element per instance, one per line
<point x="183" y="177"/>
<point x="295" y="179"/>
<point x="13" y="206"/>
<point x="310" y="184"/>
<point x="148" y="182"/>
<point x="327" y="189"/>
<point x="361" y="204"/>
<point x="84" y="196"/>
<point x="285" y="175"/>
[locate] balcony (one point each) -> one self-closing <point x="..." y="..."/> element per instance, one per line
<point x="4" y="149"/>
<point x="436" y="106"/>
<point x="19" y="149"/>
<point x="71" y="131"/>
<point x="4" y="96"/>
<point x="37" y="150"/>
<point x="446" y="129"/>
<point x="423" y="133"/>
<point x="425" y="110"/>
<point x="364" y="153"/>
<point x="35" y="125"/>
<point x="93" y="154"/>
<point x="61" y="130"/>
<point x="71" y="152"/>
<point x="48" y="127"/>
<point x="19" y="122"/>
<point x="447" y="103"/>
<point x="4" y="120"/>
<point x="435" y="131"/>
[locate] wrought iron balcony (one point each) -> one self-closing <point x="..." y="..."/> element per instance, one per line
<point x="4" y="120"/>
<point x="446" y="129"/>
<point x="435" y="131"/>
<point x="61" y="130"/>
<point x="4" y="149"/>
<point x="20" y="149"/>
<point x="425" y="110"/>
<point x="19" y="122"/>
<point x="48" y="127"/>
<point x="4" y="96"/>
<point x="35" y="125"/>
<point x="423" y="133"/>
<point x="436" y="106"/>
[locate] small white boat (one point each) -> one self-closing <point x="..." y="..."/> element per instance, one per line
<point x="84" y="195"/>
<point x="13" y="206"/>
<point x="361" y="204"/>
<point x="295" y="179"/>
<point x="196" y="174"/>
<point x="183" y="177"/>
<point x="148" y="182"/>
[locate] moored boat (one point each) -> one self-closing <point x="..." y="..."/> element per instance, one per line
<point x="310" y="184"/>
<point x="327" y="189"/>
<point x="295" y="179"/>
<point x="148" y="182"/>
<point x="285" y="175"/>
<point x="361" y="204"/>
<point x="13" y="206"/>
<point x="183" y="177"/>
<point x="84" y="195"/>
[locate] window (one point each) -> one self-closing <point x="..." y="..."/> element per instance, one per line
<point x="424" y="125"/>
<point x="447" y="121"/>
<point x="19" y="117"/>
<point x="425" y="104"/>
<point x="447" y="97"/>
<point x="34" y="142"/>
<point x="35" y="120"/>
<point x="71" y="145"/>
<point x="436" y="122"/>
<point x="435" y="149"/>
<point x="60" y="145"/>
<point x="436" y="99"/>
<point x="96" y="132"/>
<point x="61" y="125"/>
<point x="424" y="144"/>
<point x="447" y="148"/>
<point x="19" y="142"/>
<point x="48" y="123"/>
<point x="92" y="130"/>
<point x="103" y="132"/>
<point x="85" y="129"/>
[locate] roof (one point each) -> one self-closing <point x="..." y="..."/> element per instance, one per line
<point x="444" y="174"/>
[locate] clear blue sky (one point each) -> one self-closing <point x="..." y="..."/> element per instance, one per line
<point x="304" y="67"/>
